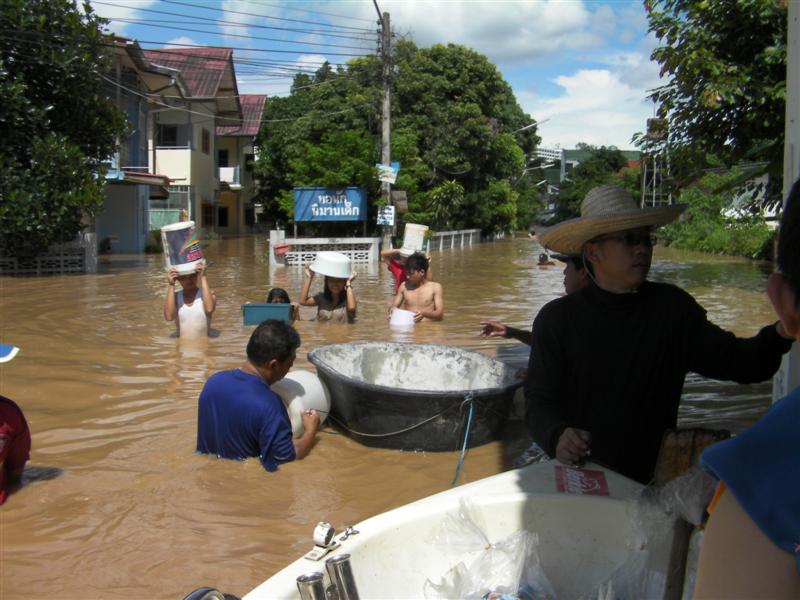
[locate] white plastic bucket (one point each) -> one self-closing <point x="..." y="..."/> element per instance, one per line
<point x="415" y="238"/>
<point x="300" y="391"/>
<point x="182" y="248"/>
<point x="401" y="317"/>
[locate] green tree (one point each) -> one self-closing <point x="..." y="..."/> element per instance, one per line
<point x="454" y="126"/>
<point x="725" y="62"/>
<point x="715" y="222"/>
<point x="605" y="165"/>
<point x="56" y="124"/>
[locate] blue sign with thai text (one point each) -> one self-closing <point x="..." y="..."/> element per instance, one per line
<point x="330" y="204"/>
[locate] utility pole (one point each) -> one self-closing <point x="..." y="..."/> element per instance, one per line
<point x="386" y="116"/>
<point x="788" y="377"/>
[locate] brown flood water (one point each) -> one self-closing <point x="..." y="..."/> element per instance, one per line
<point x="115" y="504"/>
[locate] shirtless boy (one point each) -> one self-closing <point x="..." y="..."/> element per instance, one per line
<point x="417" y="294"/>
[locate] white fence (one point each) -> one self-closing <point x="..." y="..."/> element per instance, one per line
<point x="79" y="256"/>
<point x="302" y="251"/>
<point x="441" y="240"/>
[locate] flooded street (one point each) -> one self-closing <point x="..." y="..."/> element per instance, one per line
<point x="117" y="505"/>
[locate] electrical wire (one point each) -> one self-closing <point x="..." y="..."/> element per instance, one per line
<point x="235" y="12"/>
<point x="173" y="14"/>
<point x="151" y="99"/>
<point x="230" y="35"/>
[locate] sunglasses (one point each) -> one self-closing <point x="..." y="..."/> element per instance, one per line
<point x="631" y="239"/>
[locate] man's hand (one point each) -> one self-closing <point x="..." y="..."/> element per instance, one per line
<point x="310" y="419"/>
<point x="418" y="317"/>
<point x="201" y="269"/>
<point x="172" y="276"/>
<point x="573" y="446"/>
<point x="493" y="329"/>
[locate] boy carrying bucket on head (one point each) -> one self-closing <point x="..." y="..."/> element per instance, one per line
<point x="193" y="305"/>
<point x="417" y="294"/>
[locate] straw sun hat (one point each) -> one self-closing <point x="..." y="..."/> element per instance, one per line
<point x="605" y="209"/>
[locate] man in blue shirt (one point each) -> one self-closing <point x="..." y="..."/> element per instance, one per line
<point x="239" y="416"/>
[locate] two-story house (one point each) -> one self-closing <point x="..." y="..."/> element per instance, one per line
<point x="235" y="212"/>
<point x="183" y="145"/>
<point x="138" y="88"/>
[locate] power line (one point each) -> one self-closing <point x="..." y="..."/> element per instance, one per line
<point x="314" y="12"/>
<point x="235" y="35"/>
<point x="192" y="20"/>
<point x="235" y="12"/>
<point x="151" y="99"/>
<point x="174" y="14"/>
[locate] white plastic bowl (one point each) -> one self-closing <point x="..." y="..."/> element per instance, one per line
<point x="332" y="264"/>
<point x="301" y="390"/>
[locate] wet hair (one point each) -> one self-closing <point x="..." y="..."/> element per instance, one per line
<point x="417" y="262"/>
<point x="278" y="295"/>
<point x="329" y="294"/>
<point x="272" y="339"/>
<point x="789" y="242"/>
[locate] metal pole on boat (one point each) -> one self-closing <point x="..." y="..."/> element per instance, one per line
<point x="311" y="586"/>
<point x="342" y="576"/>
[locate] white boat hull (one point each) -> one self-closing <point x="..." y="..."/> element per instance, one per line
<point x="582" y="539"/>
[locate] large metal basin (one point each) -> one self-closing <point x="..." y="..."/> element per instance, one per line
<point x="415" y="396"/>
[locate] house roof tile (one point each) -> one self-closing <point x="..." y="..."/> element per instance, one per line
<point x="252" y="110"/>
<point x="201" y="68"/>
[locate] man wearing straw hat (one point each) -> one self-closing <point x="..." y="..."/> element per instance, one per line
<point x="608" y="362"/>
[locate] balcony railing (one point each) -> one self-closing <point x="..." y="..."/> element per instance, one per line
<point x="229" y="175"/>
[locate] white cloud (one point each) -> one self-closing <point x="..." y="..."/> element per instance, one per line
<point x="239" y="6"/>
<point x="122" y="9"/>
<point x="596" y="107"/>
<point x="181" y="41"/>
<point x="506" y="32"/>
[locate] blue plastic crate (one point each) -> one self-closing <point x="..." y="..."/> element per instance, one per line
<point x="253" y="314"/>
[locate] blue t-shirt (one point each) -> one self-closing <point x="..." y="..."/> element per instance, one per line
<point x="761" y="467"/>
<point x="239" y="416"/>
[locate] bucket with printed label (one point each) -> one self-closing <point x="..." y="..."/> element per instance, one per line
<point x="182" y="248"/>
<point x="415" y="239"/>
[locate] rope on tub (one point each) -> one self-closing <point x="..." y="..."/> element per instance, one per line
<point x="468" y="398"/>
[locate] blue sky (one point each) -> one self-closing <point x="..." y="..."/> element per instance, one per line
<point x="580" y="68"/>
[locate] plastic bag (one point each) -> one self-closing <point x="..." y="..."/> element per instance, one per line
<point x="508" y="568"/>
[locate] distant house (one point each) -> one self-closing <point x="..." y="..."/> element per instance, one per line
<point x="184" y="145"/>
<point x="236" y="153"/>
<point x="138" y="88"/>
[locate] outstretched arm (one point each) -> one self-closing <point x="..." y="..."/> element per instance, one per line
<point x="304" y="299"/>
<point x="170" y="307"/>
<point x="497" y="329"/>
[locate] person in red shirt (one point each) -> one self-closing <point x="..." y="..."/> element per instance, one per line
<point x="395" y="259"/>
<point x="15" y="437"/>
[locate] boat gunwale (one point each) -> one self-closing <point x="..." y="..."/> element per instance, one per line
<point x="480" y="392"/>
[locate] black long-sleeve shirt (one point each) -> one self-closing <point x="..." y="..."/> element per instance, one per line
<point x="614" y="365"/>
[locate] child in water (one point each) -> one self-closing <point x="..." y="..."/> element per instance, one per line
<point x="193" y="305"/>
<point x="337" y="301"/>
<point x="417" y="294"/>
<point x="281" y="296"/>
